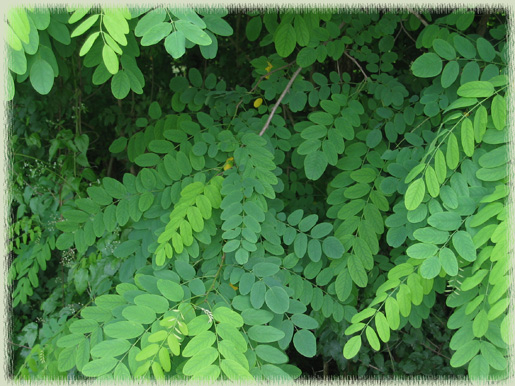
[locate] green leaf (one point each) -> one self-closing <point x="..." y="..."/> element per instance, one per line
<point x="444" y="49"/>
<point x="440" y="166"/>
<point x="332" y="247"/>
<point x="42" y="76"/>
<point x="343" y="285"/>
<point x="66" y="359"/>
<point x="352" y="347"/>
<point x="110" y="59"/>
<point x="193" y="33"/>
<point x="158" y="303"/>
<point x="306" y="57"/>
<point x="114" y="187"/>
<point x="453" y="153"/>
<point x="382" y="327"/>
<point x="392" y="313"/>
<point x="139" y="314"/>
<point x="226" y="315"/>
<point x="218" y="25"/>
<point x="200" y="342"/>
<point x="357" y="271"/>
<point x="305" y="343"/>
<point x="123" y="330"/>
<point x="234" y="371"/>
<point x="171" y="290"/>
<point x="265" y="334"/>
<point x="498" y="112"/>
<point x="448" y="261"/>
<point x="433" y="187"/>
<point x="427" y="66"/>
<point x="445" y="221"/>
<point x="450" y="74"/>
<point x="253" y="28"/>
<point x="415" y="194"/>
<point x="83" y="326"/>
<point x="467" y="137"/>
<point x="301" y="31"/>
<point x="478" y="368"/>
<point x="315" y="164"/>
<point x="155" y="34"/>
<point x="175" y="44"/>
<point x="492" y="355"/>
<point x="99" y="367"/>
<point x="118" y="145"/>
<point x="84" y="26"/>
<point x="120" y="85"/>
<point x="277" y="300"/>
<point x="480" y="324"/>
<point x="372" y="338"/>
<point x="430" y="268"/>
<point x="285" y="39"/>
<point x="485" y="49"/>
<point x="201" y="360"/>
<point x="476" y="89"/>
<point x="270" y="354"/>
<point x="421" y="251"/>
<point x="110" y="348"/>
<point x="462" y="242"/>
<point x="464" y="47"/>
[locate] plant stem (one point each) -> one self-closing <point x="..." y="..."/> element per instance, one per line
<point x="285" y="91"/>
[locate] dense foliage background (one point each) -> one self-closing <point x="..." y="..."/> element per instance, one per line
<point x="243" y="195"/>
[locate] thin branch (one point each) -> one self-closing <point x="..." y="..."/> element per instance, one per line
<point x="419" y="17"/>
<point x="357" y="64"/>
<point x="259" y="81"/>
<point x="285" y="91"/>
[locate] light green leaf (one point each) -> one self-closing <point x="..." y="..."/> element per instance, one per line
<point x="476" y="89"/>
<point x="110" y="348"/>
<point x="433" y="187"/>
<point x="382" y="327"/>
<point x="352" y="347"/>
<point x="462" y="242"/>
<point x="99" y="367"/>
<point x="175" y="44"/>
<point x="430" y="268"/>
<point x="110" y="59"/>
<point x="499" y="112"/>
<point x="415" y="194"/>
<point x="234" y="371"/>
<point x="453" y="153"/>
<point x="226" y="315"/>
<point x="445" y="221"/>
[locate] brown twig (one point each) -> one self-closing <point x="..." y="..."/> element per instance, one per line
<point x="419" y="17"/>
<point x="357" y="64"/>
<point x="285" y="91"/>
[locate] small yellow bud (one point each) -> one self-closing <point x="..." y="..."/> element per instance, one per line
<point x="258" y="102"/>
<point x="268" y="68"/>
<point x="233" y="287"/>
<point x="229" y="162"/>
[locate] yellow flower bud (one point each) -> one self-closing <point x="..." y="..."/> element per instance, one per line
<point x="258" y="102"/>
<point x="229" y="162"/>
<point x="233" y="287"/>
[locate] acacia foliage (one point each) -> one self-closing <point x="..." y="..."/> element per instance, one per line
<point x="342" y="188"/>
